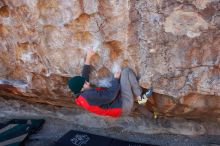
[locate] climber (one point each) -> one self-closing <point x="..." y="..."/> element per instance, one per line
<point x="114" y="101"/>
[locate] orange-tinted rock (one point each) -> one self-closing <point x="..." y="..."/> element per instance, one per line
<point x="4" y="12"/>
<point x="171" y="45"/>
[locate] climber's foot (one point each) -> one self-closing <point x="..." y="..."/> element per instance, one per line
<point x="145" y="96"/>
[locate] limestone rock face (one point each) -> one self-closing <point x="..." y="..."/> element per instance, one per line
<point x="173" y="45"/>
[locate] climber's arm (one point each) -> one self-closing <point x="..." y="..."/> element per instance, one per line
<point x="86" y="67"/>
<point x="89" y="55"/>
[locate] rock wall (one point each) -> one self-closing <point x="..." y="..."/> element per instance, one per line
<point x="173" y="45"/>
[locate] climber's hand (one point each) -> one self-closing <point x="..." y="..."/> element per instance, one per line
<point x="117" y="75"/>
<point x="89" y="55"/>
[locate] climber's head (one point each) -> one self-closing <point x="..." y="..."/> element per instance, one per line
<point x="78" y="84"/>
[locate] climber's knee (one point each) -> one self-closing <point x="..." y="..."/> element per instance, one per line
<point x="126" y="69"/>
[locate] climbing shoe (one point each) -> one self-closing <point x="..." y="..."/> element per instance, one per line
<point x="145" y="96"/>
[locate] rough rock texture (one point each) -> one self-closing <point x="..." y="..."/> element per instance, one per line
<point x="173" y="45"/>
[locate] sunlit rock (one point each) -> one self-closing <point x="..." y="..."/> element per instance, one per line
<point x="172" y="45"/>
